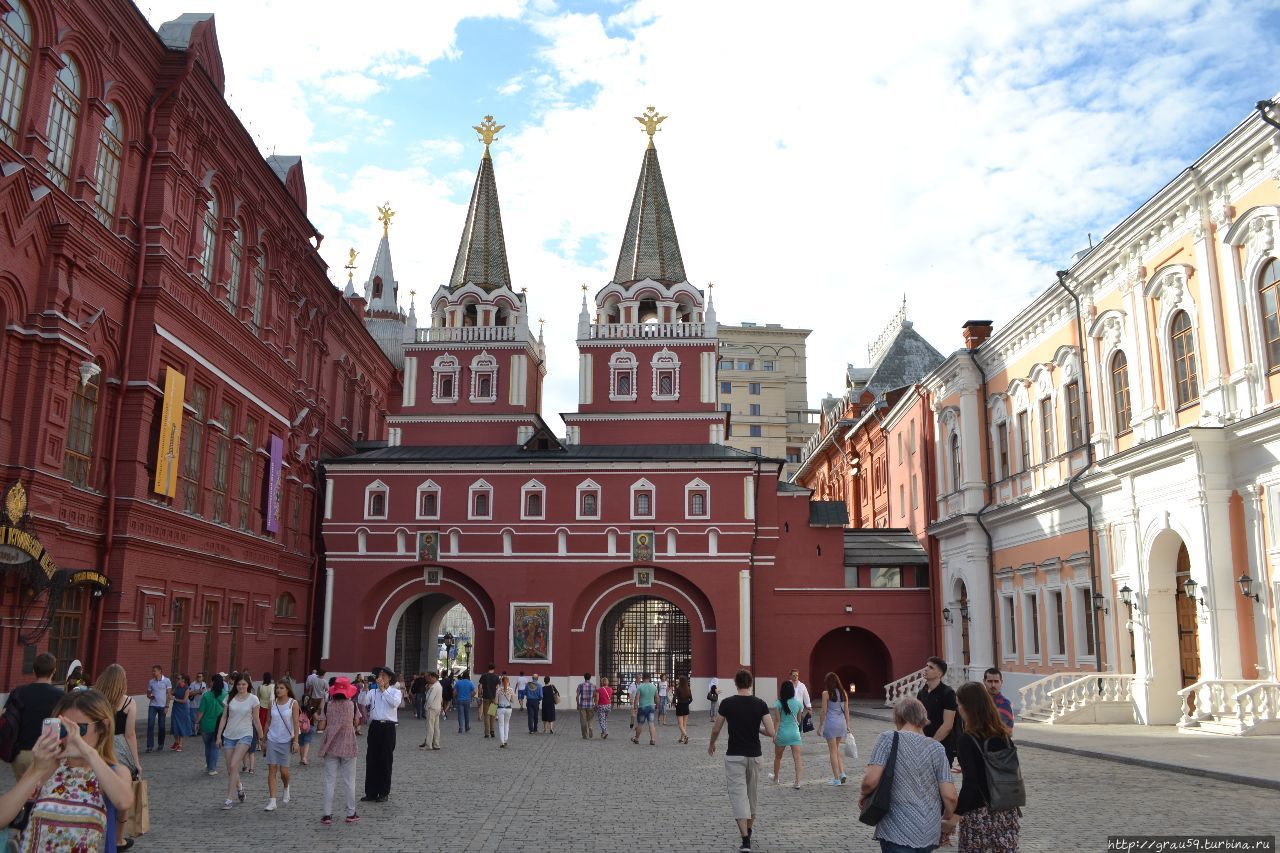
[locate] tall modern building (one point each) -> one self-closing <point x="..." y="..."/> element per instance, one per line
<point x="762" y="385"/>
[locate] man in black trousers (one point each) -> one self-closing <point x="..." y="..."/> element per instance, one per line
<point x="384" y="704"/>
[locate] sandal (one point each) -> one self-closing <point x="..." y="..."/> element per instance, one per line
<point x="636" y="740"/>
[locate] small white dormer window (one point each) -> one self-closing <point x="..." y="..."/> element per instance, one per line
<point x="429" y="501"/>
<point x="697" y="500"/>
<point x="533" y="500"/>
<point x="622" y="376"/>
<point x="642" y="499"/>
<point x="480" y="501"/>
<point x="588" y="499"/>
<point x="484" y="379"/>
<point x="375" y="500"/>
<point x="666" y="375"/>
<point x="444" y="379"/>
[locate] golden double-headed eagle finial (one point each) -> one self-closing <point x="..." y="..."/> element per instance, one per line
<point x="351" y="263"/>
<point x="384" y="216"/>
<point x="488" y="130"/>
<point x="651" y="120"/>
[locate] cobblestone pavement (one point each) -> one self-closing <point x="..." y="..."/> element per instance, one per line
<point x="560" y="792"/>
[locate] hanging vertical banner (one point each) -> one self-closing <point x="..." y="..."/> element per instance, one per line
<point x="275" y="483"/>
<point x="167" y="450"/>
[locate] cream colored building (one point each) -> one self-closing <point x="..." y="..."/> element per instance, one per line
<point x="762" y="384"/>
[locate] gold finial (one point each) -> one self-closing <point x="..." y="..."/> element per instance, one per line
<point x="711" y="285"/>
<point x="488" y="129"/>
<point x="351" y="263"/>
<point x="524" y="290"/>
<point x="384" y="216"/>
<point x="584" y="287"/>
<point x="16" y="503"/>
<point x="651" y="120"/>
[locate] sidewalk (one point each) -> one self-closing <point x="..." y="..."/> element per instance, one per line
<point x="1253" y="760"/>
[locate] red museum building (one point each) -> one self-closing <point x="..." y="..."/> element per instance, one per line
<point x="638" y="542"/>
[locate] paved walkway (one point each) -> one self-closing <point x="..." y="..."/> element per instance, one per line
<point x="552" y="793"/>
<point x="1251" y="760"/>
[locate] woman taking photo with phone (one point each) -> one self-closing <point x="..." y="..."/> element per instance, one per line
<point x="236" y="732"/>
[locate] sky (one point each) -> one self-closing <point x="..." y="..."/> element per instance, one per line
<point x="822" y="159"/>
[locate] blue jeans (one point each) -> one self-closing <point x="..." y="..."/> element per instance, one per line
<point x="210" y="750"/>
<point x="420" y="706"/>
<point x="155" y="714"/>
<point x="533" y="707"/>
<point x="890" y="847"/>
<point x="464" y="717"/>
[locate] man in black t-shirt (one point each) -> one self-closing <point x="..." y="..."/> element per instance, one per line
<point x="488" y="696"/>
<point x="34" y="701"/>
<point x="940" y="701"/>
<point x="744" y="713"/>
<point x="418" y="690"/>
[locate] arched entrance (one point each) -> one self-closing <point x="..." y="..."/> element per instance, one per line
<point x="415" y="635"/>
<point x="1171" y="630"/>
<point x="1188" y="639"/>
<point x="857" y="656"/>
<point x="644" y="634"/>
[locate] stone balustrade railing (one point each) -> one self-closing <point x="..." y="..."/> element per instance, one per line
<point x="465" y="334"/>
<point x="1258" y="704"/>
<point x="1212" y="697"/>
<point x="1035" y="697"/>
<point x="910" y="684"/>
<point x="611" y="331"/>
<point x="1089" y="689"/>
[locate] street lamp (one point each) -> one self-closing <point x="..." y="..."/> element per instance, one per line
<point x="1189" y="587"/>
<point x="1100" y="603"/>
<point x="1126" y="596"/>
<point x="964" y="612"/>
<point x="946" y="615"/>
<point x="1246" y="587"/>
<point x="467" y="646"/>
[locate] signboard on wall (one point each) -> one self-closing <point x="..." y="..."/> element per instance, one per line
<point x="275" y="483"/>
<point x="169" y="447"/>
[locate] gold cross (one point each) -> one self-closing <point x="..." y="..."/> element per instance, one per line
<point x="384" y="216"/>
<point x="651" y="120"/>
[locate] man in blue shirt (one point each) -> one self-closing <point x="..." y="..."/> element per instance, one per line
<point x="994" y="680"/>
<point x="463" y="689"/>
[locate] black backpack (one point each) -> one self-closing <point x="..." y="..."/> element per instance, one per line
<point x="1005" y="789"/>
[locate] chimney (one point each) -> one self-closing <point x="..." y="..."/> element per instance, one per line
<point x="975" y="332"/>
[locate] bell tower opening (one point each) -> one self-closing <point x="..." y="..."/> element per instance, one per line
<point x="647" y="312"/>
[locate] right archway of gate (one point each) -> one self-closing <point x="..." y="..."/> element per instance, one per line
<point x="857" y="656"/>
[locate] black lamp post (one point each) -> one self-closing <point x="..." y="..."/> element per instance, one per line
<point x="1246" y="587"/>
<point x="1189" y="587"/>
<point x="1126" y="596"/>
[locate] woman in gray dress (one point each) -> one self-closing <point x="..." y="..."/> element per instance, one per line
<point x="834" y="725"/>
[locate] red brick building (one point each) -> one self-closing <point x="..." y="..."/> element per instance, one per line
<point x="141" y="232"/>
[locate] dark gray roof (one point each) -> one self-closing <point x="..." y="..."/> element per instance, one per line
<point x="828" y="514"/>
<point x="883" y="546"/>
<point x="282" y="163"/>
<point x="786" y="487"/>
<point x="649" y="245"/>
<point x="570" y="453"/>
<point x="482" y="253"/>
<point x="904" y="362"/>
<point x="177" y="33"/>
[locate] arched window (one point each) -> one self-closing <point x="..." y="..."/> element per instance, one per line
<point x="237" y="265"/>
<point x="1186" y="383"/>
<point x="285" y="605"/>
<point x="78" y="453"/>
<point x="15" y="60"/>
<point x="955" y="461"/>
<point x="210" y="250"/>
<point x="106" y="172"/>
<point x="1120" y="399"/>
<point x="259" y="286"/>
<point x="64" y="114"/>
<point x="1269" y="292"/>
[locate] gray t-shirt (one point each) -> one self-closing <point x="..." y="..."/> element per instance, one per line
<point x="915" y="812"/>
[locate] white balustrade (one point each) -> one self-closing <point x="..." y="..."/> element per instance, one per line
<point x="1258" y="704"/>
<point x="1090" y="689"/>
<point x="1212" y="697"/>
<point x="910" y="684"/>
<point x="1035" y="696"/>
<point x="612" y="331"/>
<point x="465" y="334"/>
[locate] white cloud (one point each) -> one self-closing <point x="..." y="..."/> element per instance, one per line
<point x="350" y="86"/>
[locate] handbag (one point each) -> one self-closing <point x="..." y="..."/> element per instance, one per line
<point x="806" y="722"/>
<point x="849" y="749"/>
<point x="492" y="710"/>
<point x="878" y="803"/>
<point x="139" y="820"/>
<point x="1005" y="788"/>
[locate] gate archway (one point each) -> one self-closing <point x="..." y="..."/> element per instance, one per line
<point x="415" y="634"/>
<point x="856" y="656"/>
<point x="644" y="634"/>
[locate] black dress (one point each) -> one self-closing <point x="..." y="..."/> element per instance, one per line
<point x="548" y="707"/>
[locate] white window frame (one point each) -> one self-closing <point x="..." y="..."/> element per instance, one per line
<point x="1056" y="654"/>
<point x="377" y="486"/>
<point x="637" y="487"/>
<point x="697" y="486"/>
<point x="481" y="366"/>
<point x="583" y="488"/>
<point x="1033" y="648"/>
<point x="1081" y="610"/>
<point x="1008" y="626"/>
<point x="665" y="361"/>
<point x="429" y="486"/>
<point x="622" y="363"/>
<point x="476" y="488"/>
<point x="533" y="487"/>
<point x="444" y="366"/>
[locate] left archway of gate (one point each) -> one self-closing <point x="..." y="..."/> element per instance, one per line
<point x="384" y="605"/>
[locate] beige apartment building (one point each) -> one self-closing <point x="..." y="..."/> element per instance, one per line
<point x="762" y="384"/>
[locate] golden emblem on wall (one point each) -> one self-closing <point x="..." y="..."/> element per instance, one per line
<point x="15" y="504"/>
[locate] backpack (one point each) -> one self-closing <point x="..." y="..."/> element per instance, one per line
<point x="304" y="722"/>
<point x="1005" y="789"/>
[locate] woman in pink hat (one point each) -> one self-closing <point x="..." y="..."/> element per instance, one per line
<point x="337" y="723"/>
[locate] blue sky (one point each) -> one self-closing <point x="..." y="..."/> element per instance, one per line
<point x="822" y="159"/>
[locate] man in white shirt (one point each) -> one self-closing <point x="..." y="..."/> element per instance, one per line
<point x="432" y="704"/>
<point x="383" y="702"/>
<point x="664" y="687"/>
<point x="521" y="684"/>
<point x="315" y="689"/>
<point x="802" y="693"/>
<point x="160" y="700"/>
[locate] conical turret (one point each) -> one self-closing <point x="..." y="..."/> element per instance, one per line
<point x="649" y="245"/>
<point x="383" y="319"/>
<point x="482" y="253"/>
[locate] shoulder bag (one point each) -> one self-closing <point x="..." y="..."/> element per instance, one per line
<point x="878" y="803"/>
<point x="1005" y="789"/>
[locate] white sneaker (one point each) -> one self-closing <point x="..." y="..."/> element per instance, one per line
<point x="271" y="805"/>
<point x="226" y="805"/>
<point x="286" y="795"/>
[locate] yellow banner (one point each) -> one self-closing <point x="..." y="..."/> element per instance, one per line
<point x="175" y="389"/>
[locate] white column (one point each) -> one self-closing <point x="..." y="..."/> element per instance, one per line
<point x="1142" y="367"/>
<point x="1213" y="348"/>
<point x="328" y="613"/>
<point x="744" y="617"/>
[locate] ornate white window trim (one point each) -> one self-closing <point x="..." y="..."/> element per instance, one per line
<point x="484" y="378"/>
<point x="665" y="367"/>
<point x="427" y="488"/>
<point x="479" y="501"/>
<point x="641" y="488"/>
<point x="533" y="501"/>
<point x="444" y="379"/>
<point x="585" y="488"/>
<point x="377" y="495"/>
<point x="697" y="492"/>
<point x="622" y="376"/>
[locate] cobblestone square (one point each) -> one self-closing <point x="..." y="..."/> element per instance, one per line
<point x="559" y="792"/>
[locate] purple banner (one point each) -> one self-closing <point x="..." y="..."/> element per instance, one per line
<point x="275" y="483"/>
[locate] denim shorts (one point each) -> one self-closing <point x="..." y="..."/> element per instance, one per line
<point x="232" y="743"/>
<point x="644" y="715"/>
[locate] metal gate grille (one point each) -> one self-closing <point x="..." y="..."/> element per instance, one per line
<point x="642" y="635"/>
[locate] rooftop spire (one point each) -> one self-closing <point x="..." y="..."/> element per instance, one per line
<point x="384" y="216"/>
<point x="649" y="245"/>
<point x="381" y="289"/>
<point x="351" y="269"/>
<point x="482" y="253"/>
